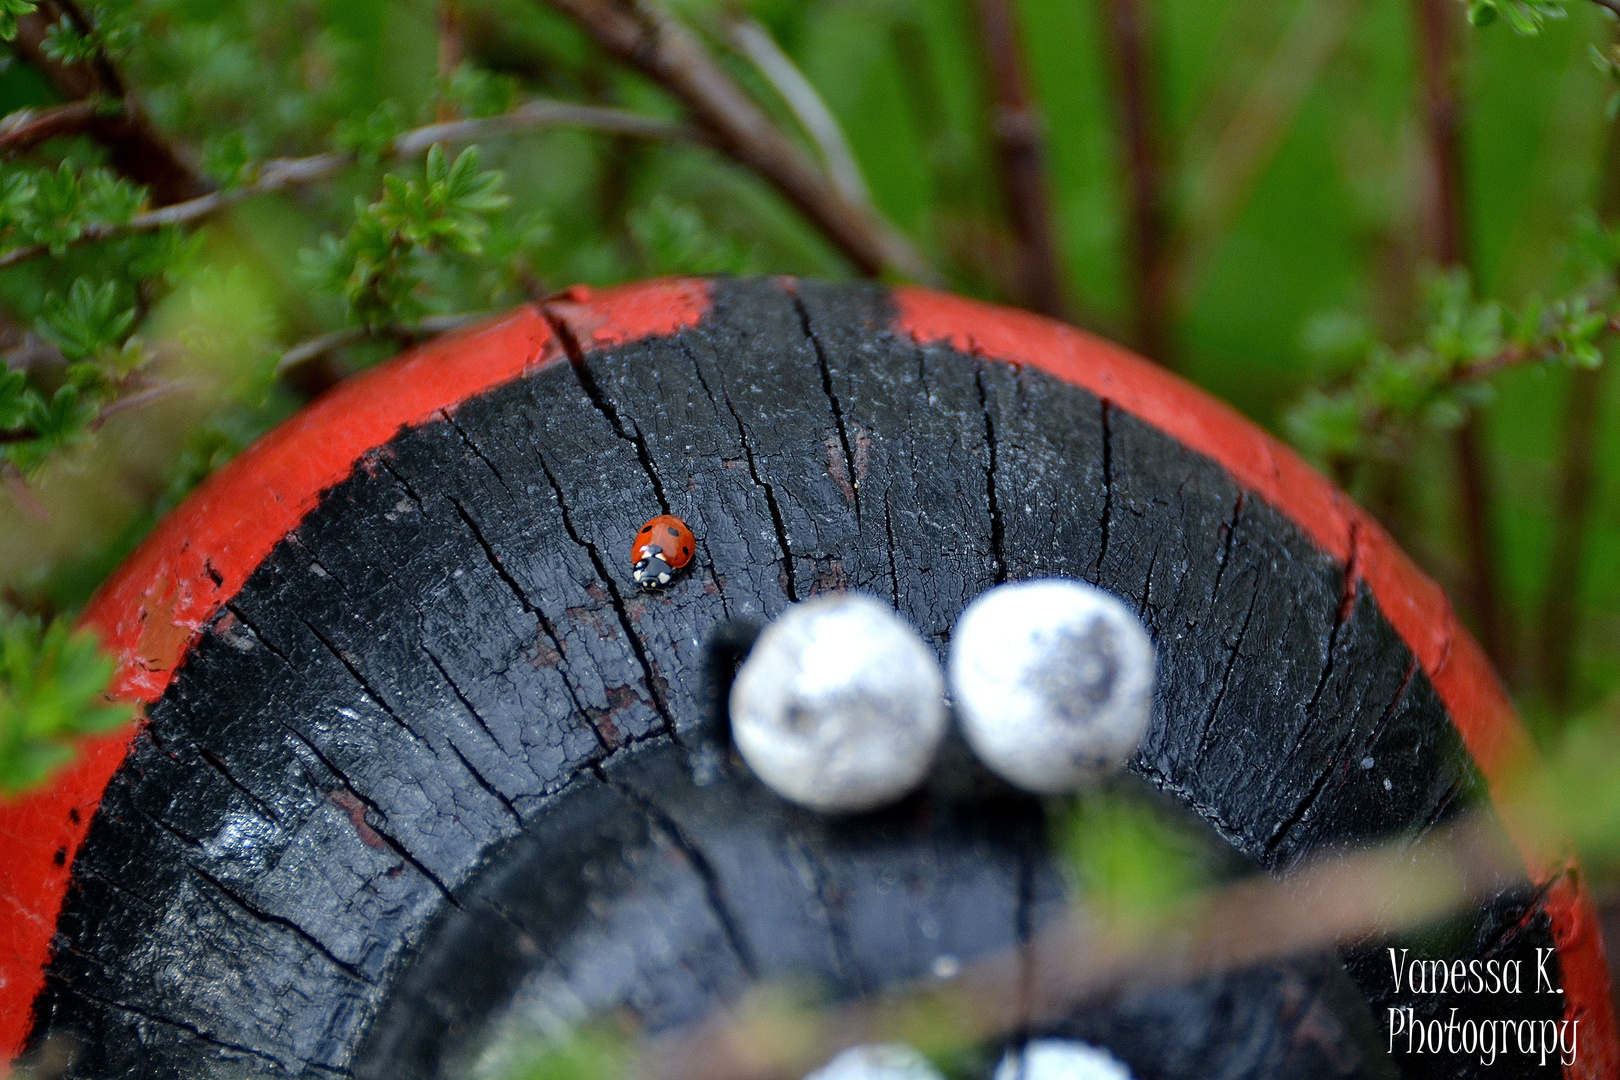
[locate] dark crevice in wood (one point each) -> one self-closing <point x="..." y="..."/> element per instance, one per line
<point x="998" y="529"/>
<point x="197" y="1033"/>
<point x="217" y="763"/>
<point x="888" y="534"/>
<point x="351" y="664"/>
<point x="654" y="683"/>
<point x="263" y="639"/>
<point x="713" y="889"/>
<point x="371" y="806"/>
<point x="254" y="911"/>
<point x="1226" y="676"/>
<point x="850" y="463"/>
<point x="790" y="587"/>
<point x="1108" y="486"/>
<point x="606" y="406"/>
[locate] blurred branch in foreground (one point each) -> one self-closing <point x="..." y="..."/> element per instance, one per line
<point x="1086" y="952"/>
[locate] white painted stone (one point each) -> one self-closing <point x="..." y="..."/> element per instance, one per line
<point x="878" y="1061"/>
<point x="839" y="707"/>
<point x="1053" y="682"/>
<point x="1060" y="1059"/>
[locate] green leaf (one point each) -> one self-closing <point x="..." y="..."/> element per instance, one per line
<point x="64" y="44"/>
<point x="9" y="10"/>
<point x="381" y="266"/>
<point x="1134" y="864"/>
<point x="89" y="320"/>
<point x="593" y="1052"/>
<point x="53" y="691"/>
<point x="14" y="399"/>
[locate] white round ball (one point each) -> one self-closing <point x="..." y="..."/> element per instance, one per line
<point x="1053" y="681"/>
<point x="839" y="707"/>
<point x="878" y="1061"/>
<point x="1060" y="1059"/>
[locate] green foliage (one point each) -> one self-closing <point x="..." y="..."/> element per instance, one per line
<point x="1435" y="383"/>
<point x="89" y="321"/>
<point x="53" y="684"/>
<point x="673" y="238"/>
<point x="591" y="1052"/>
<point x="9" y="10"/>
<point x="54" y="206"/>
<point x="1134" y="863"/>
<point x="379" y="268"/>
<point x="1526" y="17"/>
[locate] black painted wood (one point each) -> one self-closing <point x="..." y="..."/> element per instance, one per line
<point x="437" y="758"/>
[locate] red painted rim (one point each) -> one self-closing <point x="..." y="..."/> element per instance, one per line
<point x="200" y="556"/>
<point x="1414" y="605"/>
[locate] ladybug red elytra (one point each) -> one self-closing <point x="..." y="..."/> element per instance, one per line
<point x="663" y="546"/>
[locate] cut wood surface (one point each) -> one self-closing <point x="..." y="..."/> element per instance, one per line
<point x="431" y="755"/>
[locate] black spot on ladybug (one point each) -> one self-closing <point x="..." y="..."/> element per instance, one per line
<point x="645" y="529"/>
<point x="73" y="815"/>
<point x="60" y="858"/>
<point x="686" y="551"/>
<point x="672" y="532"/>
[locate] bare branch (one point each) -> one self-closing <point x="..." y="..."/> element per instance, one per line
<point x="281" y="173"/>
<point x="26" y="128"/>
<point x="1017" y="131"/>
<point x="755" y="42"/>
<point x="138" y="150"/>
<point x="1133" y="58"/>
<point x="318" y="347"/>
<point x="449" y="55"/>
<point x="539" y="114"/>
<point x="664" y="50"/>
<point x="1438" y="24"/>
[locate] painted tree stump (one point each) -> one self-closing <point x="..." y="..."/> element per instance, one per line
<point x="416" y="749"/>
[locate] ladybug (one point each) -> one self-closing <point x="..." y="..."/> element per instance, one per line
<point x="663" y="546"/>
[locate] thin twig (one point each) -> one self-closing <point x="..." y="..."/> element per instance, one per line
<point x="1560" y="608"/>
<point x="1017" y="130"/>
<point x="26" y="128"/>
<point x="137" y="149"/>
<point x="449" y="56"/>
<point x="1577" y="475"/>
<point x="317" y="347"/>
<point x="1138" y="106"/>
<point x="1436" y="40"/>
<point x="665" y="51"/>
<point x="12" y="479"/>
<point x="280" y="173"/>
<point x="755" y="42"/>
<point x="1251" y="139"/>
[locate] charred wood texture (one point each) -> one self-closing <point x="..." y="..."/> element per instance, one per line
<point x="439" y="753"/>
